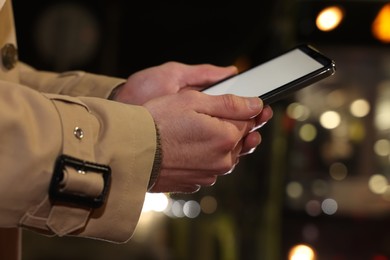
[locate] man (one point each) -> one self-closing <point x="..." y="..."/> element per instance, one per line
<point x="74" y="163"/>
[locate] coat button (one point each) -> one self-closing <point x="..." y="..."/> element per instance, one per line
<point x="9" y="56"/>
<point x="78" y="133"/>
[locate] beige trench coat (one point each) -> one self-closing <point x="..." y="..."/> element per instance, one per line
<point x="44" y="115"/>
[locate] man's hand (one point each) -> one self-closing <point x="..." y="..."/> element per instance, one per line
<point x="169" y="78"/>
<point x="203" y="136"/>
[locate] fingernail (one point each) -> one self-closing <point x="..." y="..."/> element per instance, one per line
<point x="257" y="127"/>
<point x="255" y="103"/>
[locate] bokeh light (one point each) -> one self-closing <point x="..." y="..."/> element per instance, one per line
<point x="208" y="204"/>
<point x="294" y="189"/>
<point x="378" y="184"/>
<point x="191" y="209"/>
<point x="336" y="98"/>
<point x="308" y="132"/>
<point x="298" y="111"/>
<point x="382" y="147"/>
<point x="301" y="252"/>
<point x="381" y="24"/>
<point x="338" y="171"/>
<point x="329" y="18"/>
<point x="313" y="208"/>
<point x="157" y="202"/>
<point x="330" y="119"/>
<point x="382" y="118"/>
<point x="177" y="208"/>
<point x="329" y="206"/>
<point x="360" y="108"/>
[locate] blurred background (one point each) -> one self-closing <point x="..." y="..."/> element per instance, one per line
<point x="318" y="186"/>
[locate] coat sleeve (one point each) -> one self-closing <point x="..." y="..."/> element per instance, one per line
<point x="35" y="129"/>
<point x="72" y="83"/>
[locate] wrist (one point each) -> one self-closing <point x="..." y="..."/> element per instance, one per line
<point x="157" y="162"/>
<point x="114" y="93"/>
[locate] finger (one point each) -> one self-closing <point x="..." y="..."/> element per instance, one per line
<point x="250" y="143"/>
<point x="240" y="128"/>
<point x="267" y="113"/>
<point x="203" y="75"/>
<point x="204" y="181"/>
<point x="182" y="181"/>
<point x="235" y="160"/>
<point x="189" y="177"/>
<point x="263" y="118"/>
<point x="188" y="189"/>
<point x="167" y="183"/>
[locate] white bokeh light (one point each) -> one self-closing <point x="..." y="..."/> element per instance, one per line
<point x="330" y="119"/>
<point x="191" y="209"/>
<point x="329" y="206"/>
<point x="157" y="202"/>
<point x="382" y="147"/>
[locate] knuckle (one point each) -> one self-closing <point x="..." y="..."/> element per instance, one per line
<point x="228" y="144"/>
<point x="171" y="64"/>
<point x="231" y="102"/>
<point x="225" y="166"/>
<point x="191" y="96"/>
<point x="209" y="181"/>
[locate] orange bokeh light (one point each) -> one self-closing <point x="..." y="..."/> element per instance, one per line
<point x="381" y="25"/>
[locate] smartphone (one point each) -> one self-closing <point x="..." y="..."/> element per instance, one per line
<point x="278" y="77"/>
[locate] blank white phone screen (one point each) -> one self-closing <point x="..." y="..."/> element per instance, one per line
<point x="267" y="76"/>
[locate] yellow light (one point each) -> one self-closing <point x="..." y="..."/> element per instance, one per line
<point x="298" y="111"/>
<point x="360" y="108"/>
<point x="356" y="131"/>
<point x="294" y="189"/>
<point x="382" y="118"/>
<point x="330" y="119"/>
<point x="308" y="132"/>
<point x="301" y="252"/>
<point x="381" y="25"/>
<point x="378" y="184"/>
<point x="382" y="147"/>
<point x="329" y="18"/>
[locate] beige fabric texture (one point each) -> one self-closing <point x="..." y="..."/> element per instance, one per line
<point x="38" y="114"/>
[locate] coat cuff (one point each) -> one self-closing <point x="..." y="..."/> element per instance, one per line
<point x="120" y="136"/>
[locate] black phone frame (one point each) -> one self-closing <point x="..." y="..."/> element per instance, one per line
<point x="329" y="68"/>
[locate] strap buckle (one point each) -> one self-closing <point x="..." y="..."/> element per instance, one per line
<point x="55" y="192"/>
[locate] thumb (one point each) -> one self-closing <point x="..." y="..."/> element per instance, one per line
<point x="231" y="107"/>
